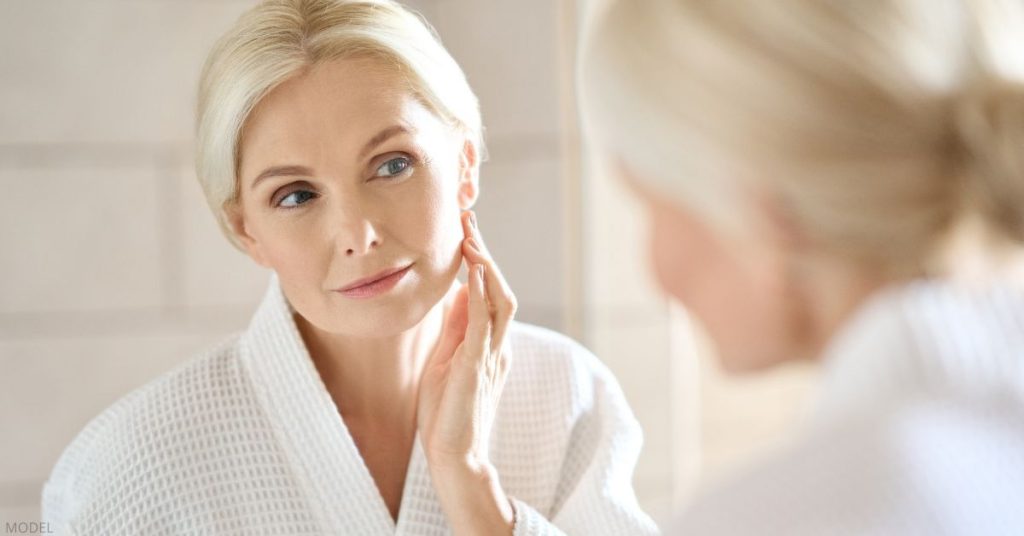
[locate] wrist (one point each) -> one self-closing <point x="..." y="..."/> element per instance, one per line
<point x="472" y="497"/>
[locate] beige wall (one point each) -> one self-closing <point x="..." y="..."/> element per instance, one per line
<point x="113" y="271"/>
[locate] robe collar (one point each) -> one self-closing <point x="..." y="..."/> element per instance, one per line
<point x="319" y="446"/>
<point x="928" y="337"/>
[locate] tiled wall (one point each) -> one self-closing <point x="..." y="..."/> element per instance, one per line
<point x="112" y="270"/>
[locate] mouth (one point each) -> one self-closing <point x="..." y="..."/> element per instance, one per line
<point x="376" y="284"/>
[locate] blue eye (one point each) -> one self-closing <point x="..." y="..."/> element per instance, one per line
<point x="298" y="194"/>
<point x="394" y="167"/>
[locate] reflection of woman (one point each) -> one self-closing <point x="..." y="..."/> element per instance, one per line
<point x="339" y="145"/>
<point x="841" y="181"/>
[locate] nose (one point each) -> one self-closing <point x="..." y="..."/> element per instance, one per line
<point x="352" y="252"/>
<point x="354" y="232"/>
<point x="359" y="238"/>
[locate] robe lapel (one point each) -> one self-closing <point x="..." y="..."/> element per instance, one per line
<point x="420" y="513"/>
<point x="326" y="461"/>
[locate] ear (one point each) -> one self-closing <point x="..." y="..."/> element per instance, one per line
<point x="235" y="218"/>
<point x="469" y="173"/>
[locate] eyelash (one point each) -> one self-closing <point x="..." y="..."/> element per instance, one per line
<point x="410" y="164"/>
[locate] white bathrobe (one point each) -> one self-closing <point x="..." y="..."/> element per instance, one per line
<point x="245" y="439"/>
<point x="918" y="430"/>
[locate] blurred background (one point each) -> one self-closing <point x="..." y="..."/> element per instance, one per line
<point x="113" y="271"/>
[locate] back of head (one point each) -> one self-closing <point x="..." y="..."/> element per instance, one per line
<point x="879" y="125"/>
<point x="279" y="39"/>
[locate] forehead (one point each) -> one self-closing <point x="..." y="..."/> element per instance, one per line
<point x="341" y="103"/>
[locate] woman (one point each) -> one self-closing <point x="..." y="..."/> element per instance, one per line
<point x="339" y="145"/>
<point x="844" y="182"/>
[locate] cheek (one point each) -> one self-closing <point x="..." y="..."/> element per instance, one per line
<point x="734" y="294"/>
<point x="672" y="249"/>
<point x="664" y="259"/>
<point x="288" y="245"/>
<point x="429" y="222"/>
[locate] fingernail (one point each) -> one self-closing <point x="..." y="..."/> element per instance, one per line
<point x="472" y="219"/>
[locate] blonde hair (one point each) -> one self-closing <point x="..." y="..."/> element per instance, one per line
<point x="878" y="125"/>
<point x="279" y="39"/>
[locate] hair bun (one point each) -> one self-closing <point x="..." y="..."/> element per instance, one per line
<point x="990" y="123"/>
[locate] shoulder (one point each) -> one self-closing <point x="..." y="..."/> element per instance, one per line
<point x="555" y="381"/>
<point x="136" y="419"/>
<point x="536" y="348"/>
<point x="134" y="441"/>
<point x="925" y="465"/>
<point x="564" y="429"/>
<point x="553" y="363"/>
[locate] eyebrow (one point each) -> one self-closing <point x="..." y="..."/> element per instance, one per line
<point x="278" y="171"/>
<point x="382" y="137"/>
<point x="291" y="170"/>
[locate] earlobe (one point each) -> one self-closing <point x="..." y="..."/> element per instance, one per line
<point x="468" y="193"/>
<point x="469" y="170"/>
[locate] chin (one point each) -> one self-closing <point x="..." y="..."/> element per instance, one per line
<point x="743" y="367"/>
<point x="383" y="316"/>
<point x="370" y="328"/>
<point x="751" y="361"/>
<point x="376" y="318"/>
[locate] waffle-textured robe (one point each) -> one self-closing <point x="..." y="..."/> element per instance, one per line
<point x="918" y="427"/>
<point x="245" y="439"/>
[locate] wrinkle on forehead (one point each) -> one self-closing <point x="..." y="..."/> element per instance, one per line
<point x="339" y="101"/>
<point x="330" y="111"/>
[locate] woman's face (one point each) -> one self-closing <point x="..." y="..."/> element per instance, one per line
<point x="739" y="292"/>
<point x="344" y="176"/>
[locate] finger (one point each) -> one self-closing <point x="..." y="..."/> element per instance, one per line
<point x="467" y="223"/>
<point x="476" y="241"/>
<point x="502" y="359"/>
<point x="499" y="294"/>
<point x="475" y="255"/>
<point x="472" y="230"/>
<point x="455" y="326"/>
<point x="478" y="331"/>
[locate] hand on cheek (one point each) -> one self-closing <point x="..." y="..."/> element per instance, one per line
<point x="459" y="394"/>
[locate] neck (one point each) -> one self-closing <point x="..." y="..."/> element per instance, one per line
<point x="832" y="296"/>
<point x="375" y="380"/>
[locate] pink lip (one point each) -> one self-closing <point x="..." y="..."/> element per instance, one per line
<point x="374" y="285"/>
